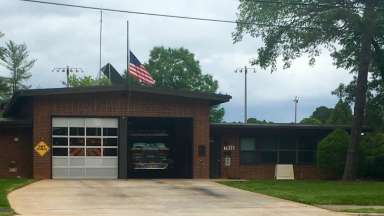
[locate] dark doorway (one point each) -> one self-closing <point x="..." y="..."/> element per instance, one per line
<point x="215" y="162"/>
<point x="159" y="147"/>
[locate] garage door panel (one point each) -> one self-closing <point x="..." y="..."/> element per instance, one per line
<point x="59" y="122"/>
<point x="60" y="172"/>
<point x="76" y="172"/>
<point x="85" y="158"/>
<point x="111" y="162"/>
<point x="101" y="172"/>
<point x="76" y="161"/>
<point x="59" y="162"/>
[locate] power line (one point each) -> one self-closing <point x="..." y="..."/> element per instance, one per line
<point x="177" y="16"/>
<point x="132" y="12"/>
<point x="67" y="70"/>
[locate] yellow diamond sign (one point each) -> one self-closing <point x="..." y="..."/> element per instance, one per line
<point x="41" y="148"/>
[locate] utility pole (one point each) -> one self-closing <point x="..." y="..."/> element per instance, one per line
<point x="296" y="101"/>
<point x="67" y="70"/>
<point x="245" y="71"/>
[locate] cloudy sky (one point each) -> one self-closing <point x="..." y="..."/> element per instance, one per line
<point x="59" y="36"/>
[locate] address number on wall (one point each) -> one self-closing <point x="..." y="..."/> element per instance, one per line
<point x="229" y="148"/>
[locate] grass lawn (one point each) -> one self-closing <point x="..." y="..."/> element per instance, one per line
<point x="365" y="210"/>
<point x="6" y="186"/>
<point x="318" y="192"/>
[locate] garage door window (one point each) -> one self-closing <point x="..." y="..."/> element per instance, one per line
<point x="82" y="145"/>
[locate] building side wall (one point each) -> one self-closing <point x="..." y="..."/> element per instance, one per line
<point x="262" y="171"/>
<point x="17" y="150"/>
<point x="119" y="105"/>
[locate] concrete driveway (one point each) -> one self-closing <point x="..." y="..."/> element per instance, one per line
<point x="149" y="197"/>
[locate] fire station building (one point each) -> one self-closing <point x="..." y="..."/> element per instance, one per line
<point x="121" y="132"/>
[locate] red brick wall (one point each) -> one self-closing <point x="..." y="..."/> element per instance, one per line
<point x="20" y="151"/>
<point x="116" y="105"/>
<point x="238" y="171"/>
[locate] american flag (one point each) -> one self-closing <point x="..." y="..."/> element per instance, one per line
<point x="137" y="70"/>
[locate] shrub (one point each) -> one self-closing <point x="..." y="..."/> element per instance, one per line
<point x="332" y="151"/>
<point x="310" y="121"/>
<point x="372" y="156"/>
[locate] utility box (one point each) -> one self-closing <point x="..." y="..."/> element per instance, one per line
<point x="284" y="172"/>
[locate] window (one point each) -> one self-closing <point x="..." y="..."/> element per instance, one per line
<point x="247" y="144"/>
<point x="307" y="149"/>
<point x="268" y="157"/>
<point x="307" y="157"/>
<point x="60" y="131"/>
<point x="93" y="142"/>
<point x="266" y="143"/>
<point x="76" y="131"/>
<point x="76" y="141"/>
<point x="76" y="137"/>
<point x="76" y="152"/>
<point x="60" y="151"/>
<point x="93" y="131"/>
<point x="287" y="157"/>
<point x="258" y="150"/>
<point x="93" y="151"/>
<point x="110" y="142"/>
<point x="288" y="148"/>
<point x="110" y="152"/>
<point x="109" y="131"/>
<point x="59" y="141"/>
<point x="247" y="151"/>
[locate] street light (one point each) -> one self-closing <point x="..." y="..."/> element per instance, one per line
<point x="245" y="71"/>
<point x="296" y="101"/>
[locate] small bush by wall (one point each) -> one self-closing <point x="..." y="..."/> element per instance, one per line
<point x="332" y="151"/>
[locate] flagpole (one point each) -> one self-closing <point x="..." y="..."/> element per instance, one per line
<point x="128" y="52"/>
<point x="101" y="30"/>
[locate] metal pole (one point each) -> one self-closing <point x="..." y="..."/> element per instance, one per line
<point x="101" y="30"/>
<point x="67" y="76"/>
<point x="128" y="51"/>
<point x="296" y="101"/>
<point x="245" y="95"/>
<point x="295" y="113"/>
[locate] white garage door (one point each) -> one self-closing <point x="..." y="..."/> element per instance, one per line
<point x="84" y="148"/>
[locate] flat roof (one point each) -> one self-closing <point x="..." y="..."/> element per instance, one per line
<point x="277" y="126"/>
<point x="213" y="98"/>
<point x="15" y="122"/>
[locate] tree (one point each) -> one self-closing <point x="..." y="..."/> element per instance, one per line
<point x="87" y="81"/>
<point x="346" y="92"/>
<point x="4" y="86"/>
<point x="311" y="121"/>
<point x="352" y="30"/>
<point x="256" y="121"/>
<point x="4" y="89"/>
<point x="374" y="115"/>
<point x="322" y="113"/>
<point x="16" y="59"/>
<point x="178" y="69"/>
<point x="1" y="48"/>
<point x="341" y="114"/>
<point x="332" y="151"/>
